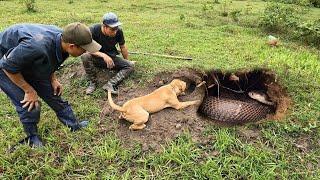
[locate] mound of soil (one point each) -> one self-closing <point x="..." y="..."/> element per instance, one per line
<point x="169" y="123"/>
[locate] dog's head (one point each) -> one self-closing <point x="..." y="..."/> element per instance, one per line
<point x="179" y="86"/>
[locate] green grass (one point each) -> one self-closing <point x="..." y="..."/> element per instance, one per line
<point x="180" y="28"/>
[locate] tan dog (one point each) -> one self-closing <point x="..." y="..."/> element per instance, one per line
<point x="137" y="110"/>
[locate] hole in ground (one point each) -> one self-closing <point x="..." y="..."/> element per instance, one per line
<point x="243" y="96"/>
<point x="168" y="124"/>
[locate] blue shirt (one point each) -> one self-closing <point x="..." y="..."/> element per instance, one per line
<point x="34" y="50"/>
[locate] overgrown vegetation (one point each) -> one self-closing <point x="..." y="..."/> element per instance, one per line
<point x="286" y="149"/>
<point x="281" y="18"/>
<point x="309" y="32"/>
<point x="315" y="3"/>
<point x="30" y="5"/>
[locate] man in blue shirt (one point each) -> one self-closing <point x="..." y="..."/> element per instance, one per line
<point x="108" y="34"/>
<point x="30" y="54"/>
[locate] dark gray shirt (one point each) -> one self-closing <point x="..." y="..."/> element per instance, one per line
<point x="108" y="43"/>
<point x="31" y="49"/>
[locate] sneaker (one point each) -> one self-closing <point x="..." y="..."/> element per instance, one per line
<point x="110" y="87"/>
<point x="91" y="88"/>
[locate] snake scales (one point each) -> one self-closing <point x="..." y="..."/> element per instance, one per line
<point x="233" y="111"/>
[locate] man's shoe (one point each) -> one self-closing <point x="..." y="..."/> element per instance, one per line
<point x="32" y="141"/>
<point x="81" y="124"/>
<point x="110" y="87"/>
<point x="91" y="88"/>
<point x="35" y="141"/>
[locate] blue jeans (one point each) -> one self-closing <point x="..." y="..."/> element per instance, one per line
<point x="45" y="91"/>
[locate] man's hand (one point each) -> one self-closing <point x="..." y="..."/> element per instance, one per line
<point x="109" y="61"/>
<point x="57" y="87"/>
<point x="30" y="97"/>
<point x="31" y="100"/>
<point x="133" y="62"/>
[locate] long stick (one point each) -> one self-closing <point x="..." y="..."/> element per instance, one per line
<point x="162" y="55"/>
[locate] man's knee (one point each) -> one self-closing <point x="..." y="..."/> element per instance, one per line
<point x="26" y="116"/>
<point x="86" y="59"/>
<point x="56" y="103"/>
<point x="127" y="65"/>
<point x="130" y="67"/>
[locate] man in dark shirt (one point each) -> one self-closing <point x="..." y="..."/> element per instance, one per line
<point x="29" y="56"/>
<point x="108" y="34"/>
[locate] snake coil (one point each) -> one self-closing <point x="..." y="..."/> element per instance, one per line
<point x="233" y="111"/>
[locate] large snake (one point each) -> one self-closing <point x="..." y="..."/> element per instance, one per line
<point x="235" y="111"/>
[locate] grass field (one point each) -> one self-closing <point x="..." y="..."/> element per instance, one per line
<point x="286" y="149"/>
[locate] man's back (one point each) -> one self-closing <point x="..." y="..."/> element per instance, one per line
<point x="32" y="49"/>
<point x="13" y="35"/>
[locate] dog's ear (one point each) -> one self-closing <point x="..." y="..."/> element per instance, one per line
<point x="176" y="85"/>
<point x="181" y="85"/>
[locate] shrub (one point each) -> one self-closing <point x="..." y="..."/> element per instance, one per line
<point x="225" y="5"/>
<point x="279" y="17"/>
<point x="235" y="15"/>
<point x="30" y="5"/>
<point x="309" y="32"/>
<point x="216" y="2"/>
<point x="284" y="19"/>
<point x="315" y="3"/>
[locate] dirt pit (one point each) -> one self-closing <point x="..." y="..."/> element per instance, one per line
<point x="229" y="94"/>
<point x="169" y="123"/>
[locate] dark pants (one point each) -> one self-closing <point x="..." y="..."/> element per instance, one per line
<point x="45" y="91"/>
<point x="93" y="65"/>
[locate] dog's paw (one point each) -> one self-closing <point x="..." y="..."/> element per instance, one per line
<point x="137" y="127"/>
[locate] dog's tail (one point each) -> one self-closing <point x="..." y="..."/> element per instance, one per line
<point x="112" y="104"/>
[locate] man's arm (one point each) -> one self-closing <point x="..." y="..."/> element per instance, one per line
<point x="14" y="62"/>
<point x="124" y="51"/>
<point x="107" y="59"/>
<point x="30" y="96"/>
<point x="57" y="87"/>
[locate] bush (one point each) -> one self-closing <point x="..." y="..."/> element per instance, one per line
<point x="284" y="19"/>
<point x="309" y="32"/>
<point x="279" y="17"/>
<point x="30" y="5"/>
<point x="235" y="15"/>
<point x="315" y="3"/>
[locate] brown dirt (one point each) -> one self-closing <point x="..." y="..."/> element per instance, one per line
<point x="169" y="123"/>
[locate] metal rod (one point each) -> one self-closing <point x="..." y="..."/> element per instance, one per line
<point x="161" y="55"/>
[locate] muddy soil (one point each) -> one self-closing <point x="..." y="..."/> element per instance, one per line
<point x="168" y="124"/>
